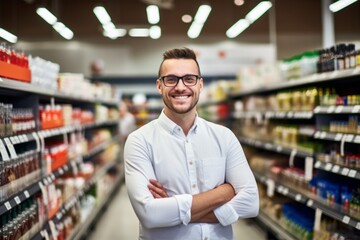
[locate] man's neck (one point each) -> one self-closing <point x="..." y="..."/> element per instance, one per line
<point x="184" y="120"/>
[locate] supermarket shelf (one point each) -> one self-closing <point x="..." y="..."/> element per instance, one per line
<point x="26" y="87"/>
<point x="339" y="137"/>
<point x="274" y="226"/>
<point x="337" y="169"/>
<point x="309" y="201"/>
<point x="33" y="188"/>
<point x="83" y="228"/>
<point x="212" y="103"/>
<point x="21" y="138"/>
<point x="274" y="147"/>
<point x="337" y="109"/>
<point x="48" y="228"/>
<point x="101" y="147"/>
<point x="312" y="79"/>
<point x="274" y="114"/>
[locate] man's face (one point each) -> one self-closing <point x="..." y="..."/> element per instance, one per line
<point x="180" y="99"/>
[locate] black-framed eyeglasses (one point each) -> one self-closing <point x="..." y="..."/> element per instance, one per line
<point x="172" y="80"/>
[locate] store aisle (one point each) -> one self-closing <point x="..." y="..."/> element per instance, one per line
<point x="119" y="222"/>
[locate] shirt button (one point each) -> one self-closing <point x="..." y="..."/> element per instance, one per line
<point x="205" y="238"/>
<point x="190" y="163"/>
<point x="194" y="185"/>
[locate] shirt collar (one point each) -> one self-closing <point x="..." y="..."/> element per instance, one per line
<point x="171" y="127"/>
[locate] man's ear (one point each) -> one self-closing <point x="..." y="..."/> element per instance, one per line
<point x="159" y="86"/>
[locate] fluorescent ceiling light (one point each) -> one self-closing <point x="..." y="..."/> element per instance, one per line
<point x="195" y="30"/>
<point x="64" y="31"/>
<point x="258" y="11"/>
<point x="8" y="36"/>
<point x="202" y="14"/>
<point x="115" y="33"/>
<point x="108" y="26"/>
<point x="102" y="15"/>
<point x="155" y="32"/>
<point x="46" y="15"/>
<point x="199" y="20"/>
<point x="153" y="14"/>
<point x="139" y="32"/>
<point x="337" y="6"/>
<point x="237" y="28"/>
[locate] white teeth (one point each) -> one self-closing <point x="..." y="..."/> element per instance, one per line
<point x="181" y="96"/>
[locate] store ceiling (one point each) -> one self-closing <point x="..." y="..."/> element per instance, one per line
<point x="20" y="18"/>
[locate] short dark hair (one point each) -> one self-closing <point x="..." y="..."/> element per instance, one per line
<point x="179" y="53"/>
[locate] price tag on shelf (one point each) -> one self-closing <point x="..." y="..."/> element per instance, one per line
<point x="357" y="139"/>
<point x="74" y="167"/>
<point x="17" y="200"/>
<point x="45" y="235"/>
<point x="10" y="148"/>
<point x="328" y="166"/>
<point x="323" y="135"/>
<point x="298" y="197"/>
<point x="349" y="137"/>
<point x="53" y="230"/>
<point x="346" y="219"/>
<point x="352" y="173"/>
<point x="279" y="148"/>
<point x="338" y="137"/>
<point x="3" y="151"/>
<point x="270" y="187"/>
<point x="280" y="189"/>
<point x="339" y="109"/>
<point x="12" y="140"/>
<point x="1" y="80"/>
<point x="317" y="223"/>
<point x="317" y="134"/>
<point x="330" y="109"/>
<point x="309" y="161"/>
<point x="7" y="205"/>
<point x="317" y="164"/>
<point x="61" y="171"/>
<point x="52" y="177"/>
<point x="26" y="193"/>
<point x="59" y="215"/>
<point x="26" y="139"/>
<point x="358" y="225"/>
<point x="66" y="168"/>
<point x="285" y="191"/>
<point x="335" y="169"/>
<point x="292" y="157"/>
<point x="17" y="139"/>
<point x="310" y="203"/>
<point x="356" y="109"/>
<point x="345" y="171"/>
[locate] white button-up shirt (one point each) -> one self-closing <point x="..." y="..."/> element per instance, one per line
<point x="207" y="157"/>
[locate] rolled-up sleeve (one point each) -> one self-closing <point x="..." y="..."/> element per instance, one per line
<point x="238" y="173"/>
<point x="151" y="212"/>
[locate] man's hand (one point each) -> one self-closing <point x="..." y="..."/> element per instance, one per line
<point x="157" y="189"/>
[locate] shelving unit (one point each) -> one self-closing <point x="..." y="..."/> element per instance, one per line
<point x="25" y="95"/>
<point x="310" y="161"/>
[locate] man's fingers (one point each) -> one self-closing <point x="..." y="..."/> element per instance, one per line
<point x="155" y="183"/>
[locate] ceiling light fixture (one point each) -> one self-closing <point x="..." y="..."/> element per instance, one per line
<point x="46" y="15"/>
<point x="186" y="18"/>
<point x="8" y="36"/>
<point x="155" y="32"/>
<point x="64" y="31"/>
<point x="153" y="14"/>
<point x="139" y="32"/>
<point x="115" y="33"/>
<point x="239" y="2"/>
<point x="200" y="18"/>
<point x="337" y="6"/>
<point x="250" y="18"/>
<point x="237" y="28"/>
<point x="258" y="11"/>
<point x="102" y="15"/>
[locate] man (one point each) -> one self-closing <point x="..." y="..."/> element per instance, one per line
<point x="186" y="178"/>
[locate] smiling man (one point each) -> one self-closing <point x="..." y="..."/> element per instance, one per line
<point x="187" y="178"/>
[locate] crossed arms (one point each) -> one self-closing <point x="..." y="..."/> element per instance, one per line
<point x="203" y="204"/>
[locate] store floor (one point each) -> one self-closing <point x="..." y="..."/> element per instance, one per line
<point x="120" y="223"/>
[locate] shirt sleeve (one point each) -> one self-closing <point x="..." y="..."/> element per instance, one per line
<point x="151" y="212"/>
<point x="238" y="173"/>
